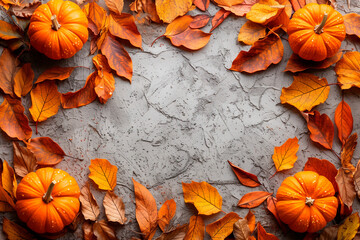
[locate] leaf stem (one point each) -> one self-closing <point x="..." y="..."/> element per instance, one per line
<point x="47" y="196"/>
<point x="319" y="28"/>
<point x="332" y="150"/>
<point x="156" y="40"/>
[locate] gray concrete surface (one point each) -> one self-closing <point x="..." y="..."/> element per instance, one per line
<point x="182" y="118"/>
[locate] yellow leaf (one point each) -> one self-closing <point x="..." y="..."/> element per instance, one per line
<point x="285" y="156"/>
<point x="168" y="10"/>
<point x="264" y="12"/>
<point x="223" y="227"/>
<point x="103" y="173"/>
<point x="8" y="179"/>
<point x="348" y="229"/>
<point x="348" y="70"/>
<point x="305" y="92"/>
<point x="205" y="197"/>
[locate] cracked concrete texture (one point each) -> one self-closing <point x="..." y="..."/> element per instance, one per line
<point x="183" y="117"/>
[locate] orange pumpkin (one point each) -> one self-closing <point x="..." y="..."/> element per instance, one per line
<point x="306" y="202"/>
<point x="47" y="200"/>
<point x="58" y="29"/>
<point x="316" y="32"/>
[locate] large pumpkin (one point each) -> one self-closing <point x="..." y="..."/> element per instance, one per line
<point x="47" y="200"/>
<point x="306" y="201"/>
<point x="316" y="32"/>
<point x="58" y="29"/>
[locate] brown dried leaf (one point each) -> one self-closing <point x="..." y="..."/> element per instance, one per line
<point x="346" y="187"/>
<point x="89" y="207"/>
<point x="8" y="67"/>
<point x="166" y="213"/>
<point x="88" y="231"/>
<point x="321" y="129"/>
<point x="103" y="231"/>
<point x="25" y="10"/>
<point x="348" y="152"/>
<point x="176" y="234"/>
<point x="9" y="31"/>
<point x="241" y="230"/>
<point x="329" y="233"/>
<point x="24" y="160"/>
<point x="196" y="230"/>
<point x="23" y="80"/>
<point x="55" y="73"/>
<point x="115" y="6"/>
<point x="245" y="178"/>
<point x="46" y="151"/>
<point x="8" y="179"/>
<point x="14" y="231"/>
<point x="219" y="17"/>
<point x="114" y="208"/>
<point x="356" y="179"/>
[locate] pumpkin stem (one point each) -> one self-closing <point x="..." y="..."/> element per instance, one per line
<point x="55" y="24"/>
<point x="309" y="201"/>
<point x="319" y="28"/>
<point x="47" y="196"/>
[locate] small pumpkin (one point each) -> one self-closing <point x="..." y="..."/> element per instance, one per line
<point x="58" y="29"/>
<point x="316" y="32"/>
<point x="47" y="200"/>
<point x="306" y="201"/>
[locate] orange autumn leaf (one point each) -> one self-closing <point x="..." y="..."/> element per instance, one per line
<point x="114" y="208"/>
<point x="306" y="92"/>
<point x="348" y="70"/>
<point x="228" y="3"/>
<point x="193" y="39"/>
<point x="89" y="207"/>
<point x="321" y="129"/>
<point x="169" y="10"/>
<point x="96" y="16"/>
<point x="123" y="26"/>
<point x="241" y="230"/>
<point x="263" y="235"/>
<point x="81" y="97"/>
<point x="347" y="153"/>
<point x="199" y="21"/>
<point x="13" y="120"/>
<point x="103" y="173"/>
<point x="45" y="100"/>
<point x="202" y="4"/>
<point x="196" y="229"/>
<point x="55" y="73"/>
<point x="264" y="11"/>
<point x="240" y="9"/>
<point x="178" y="26"/>
<point x="166" y="213"/>
<point x="352" y="24"/>
<point x="8" y="65"/>
<point x="284" y="156"/>
<point x="219" y="17"/>
<point x="102" y="230"/>
<point x="223" y="227"/>
<point x="8" y="179"/>
<point x="253" y="199"/>
<point x="146" y="210"/>
<point x="9" y="31"/>
<point x="6" y="202"/>
<point x="205" y="197"/>
<point x="14" y="231"/>
<point x="251" y="221"/>
<point x="346" y="187"/>
<point x="250" y="32"/>
<point x="261" y="55"/>
<point x="271" y="206"/>
<point x="23" y="80"/>
<point x="146" y="10"/>
<point x="297" y="64"/>
<point x="297" y="4"/>
<point x="343" y="121"/>
<point x="245" y="178"/>
<point x="24" y="160"/>
<point x="115" y="6"/>
<point x="46" y="151"/>
<point x="176" y="234"/>
<point x="118" y="58"/>
<point x="104" y="81"/>
<point x="323" y="167"/>
<point x="283" y="17"/>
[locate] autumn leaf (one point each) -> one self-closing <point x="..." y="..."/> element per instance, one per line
<point x="228" y="3"/>
<point x="356" y="178"/>
<point x="297" y="4"/>
<point x="297" y="64"/>
<point x="245" y="178"/>
<point x="253" y="199"/>
<point x="205" y="197"/>
<point x="250" y="218"/>
<point x="6" y="202"/>
<point x="306" y="92"/>
<point x="250" y="32"/>
<point x="114" y="208"/>
<point x="166" y="213"/>
<point x="118" y="58"/>
<point x="271" y="206"/>
<point x="115" y="6"/>
<point x="23" y="80"/>
<point x="241" y="230"/>
<point x="24" y="160"/>
<point x="346" y="187"/>
<point x="343" y="121"/>
<point x="102" y="230"/>
<point x="13" y="120"/>
<point x="261" y="55"/>
<point x="199" y="21"/>
<point x="263" y="235"/>
<point x="81" y="97"/>
<point x="89" y="207"/>
<point x="146" y="210"/>
<point x="202" y="4"/>
<point x="324" y="168"/>
<point x="329" y="233"/>
<point x="349" y="228"/>
<point x="169" y="10"/>
<point x="8" y="179"/>
<point x="348" y="70"/>
<point x="178" y="26"/>
<point x="352" y="24"/>
<point x="347" y="153"/>
<point x="46" y="151"/>
<point x="96" y="16"/>
<point x="193" y="39"/>
<point x="88" y="232"/>
<point x="219" y="17"/>
<point x="146" y="10"/>
<point x="55" y="73"/>
<point x="8" y="65"/>
<point x="123" y="26"/>
<point x="240" y="9"/>
<point x="176" y="234"/>
<point x="264" y="12"/>
<point x="103" y="173"/>
<point x="9" y="31"/>
<point x="321" y="129"/>
<point x="196" y="229"/>
<point x="283" y="17"/>
<point x="14" y="231"/>
<point x="223" y="227"/>
<point x="104" y="81"/>
<point x="284" y="156"/>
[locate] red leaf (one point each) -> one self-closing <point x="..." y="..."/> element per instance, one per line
<point x="200" y="21"/>
<point x="245" y="178"/>
<point x="219" y="17"/>
<point x="321" y="129"/>
<point x="55" y="73"/>
<point x="123" y="26"/>
<point x="323" y="167"/>
<point x="271" y="206"/>
<point x="343" y="121"/>
<point x="46" y="151"/>
<point x="253" y="199"/>
<point x="202" y="4"/>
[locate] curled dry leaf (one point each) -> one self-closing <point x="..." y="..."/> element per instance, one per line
<point x="241" y="230"/>
<point x="346" y="187"/>
<point x="200" y="21"/>
<point x="205" y="197"/>
<point x="284" y="156"/>
<point x="88" y="231"/>
<point x="321" y="129"/>
<point x="103" y="231"/>
<point x="123" y="26"/>
<point x="169" y="10"/>
<point x="241" y="9"/>
<point x="46" y="151"/>
<point x="146" y="210"/>
<point x="263" y="235"/>
<point x="55" y="73"/>
<point x="253" y="199"/>
<point x="14" y="231"/>
<point x="348" y="70"/>
<point x="306" y="92"/>
<point x="24" y="160"/>
<point x="323" y="167"/>
<point x="196" y="229"/>
<point x="13" y="120"/>
<point x="115" y="6"/>
<point x="166" y="213"/>
<point x="89" y="207"/>
<point x="25" y="10"/>
<point x="264" y="12"/>
<point x="347" y="153"/>
<point x="343" y="121"/>
<point x="245" y="178"/>
<point x="103" y="173"/>
<point x="6" y="202"/>
<point x="219" y="17"/>
<point x="250" y="32"/>
<point x="8" y="179"/>
<point x="202" y="4"/>
<point x="23" y="80"/>
<point x="223" y="227"/>
<point x="114" y="208"/>
<point x="352" y="24"/>
<point x="9" y="31"/>
<point x="349" y="228"/>
<point x="176" y="234"/>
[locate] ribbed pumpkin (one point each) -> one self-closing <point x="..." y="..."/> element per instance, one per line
<point x="58" y="29"/>
<point x="316" y="32"/>
<point x="47" y="200"/>
<point x="306" y="201"/>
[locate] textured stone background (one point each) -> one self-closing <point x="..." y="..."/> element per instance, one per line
<point x="182" y="118"/>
